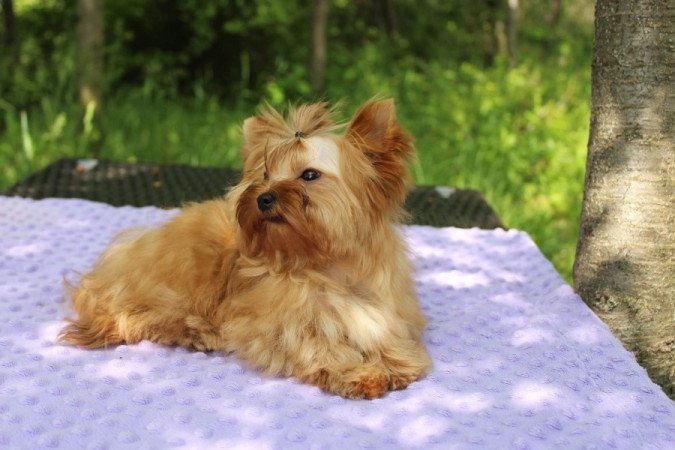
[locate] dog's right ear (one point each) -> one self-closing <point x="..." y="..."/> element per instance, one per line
<point x="258" y="130"/>
<point x="254" y="129"/>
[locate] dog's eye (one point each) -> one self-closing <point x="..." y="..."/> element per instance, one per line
<point x="265" y="176"/>
<point x="310" y="175"/>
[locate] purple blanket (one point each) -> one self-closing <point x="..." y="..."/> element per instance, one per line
<point x="519" y="360"/>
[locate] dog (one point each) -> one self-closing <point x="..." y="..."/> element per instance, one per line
<point x="299" y="270"/>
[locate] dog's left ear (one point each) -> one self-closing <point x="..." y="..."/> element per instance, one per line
<point x="376" y="131"/>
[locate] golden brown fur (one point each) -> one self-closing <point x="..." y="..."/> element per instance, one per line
<point x="316" y="284"/>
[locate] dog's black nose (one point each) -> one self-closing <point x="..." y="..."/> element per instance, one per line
<point x="266" y="201"/>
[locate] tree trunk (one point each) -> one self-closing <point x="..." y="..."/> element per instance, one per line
<point x="9" y="21"/>
<point x="625" y="263"/>
<point x="90" y="69"/>
<point x="500" y="38"/>
<point x="556" y="11"/>
<point x="512" y="30"/>
<point x="387" y="16"/>
<point x="496" y="30"/>
<point x="318" y="63"/>
<point x="90" y="52"/>
<point x="553" y="20"/>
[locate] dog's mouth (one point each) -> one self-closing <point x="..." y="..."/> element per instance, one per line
<point x="274" y="219"/>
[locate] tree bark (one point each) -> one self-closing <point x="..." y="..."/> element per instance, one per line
<point x="318" y="63"/>
<point x="90" y="52"/>
<point x="625" y="263"/>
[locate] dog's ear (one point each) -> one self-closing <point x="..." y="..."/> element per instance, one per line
<point x="253" y="130"/>
<point x="375" y="130"/>
<point x="258" y="130"/>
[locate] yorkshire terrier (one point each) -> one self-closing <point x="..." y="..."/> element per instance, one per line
<point x="300" y="269"/>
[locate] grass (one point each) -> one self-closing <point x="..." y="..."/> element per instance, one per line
<point x="191" y="131"/>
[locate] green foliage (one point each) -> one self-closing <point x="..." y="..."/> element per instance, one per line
<point x="45" y="62"/>
<point x="181" y="77"/>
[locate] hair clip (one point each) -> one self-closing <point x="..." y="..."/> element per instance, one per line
<point x="299" y="134"/>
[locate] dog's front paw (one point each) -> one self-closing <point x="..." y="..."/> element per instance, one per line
<point x="367" y="382"/>
<point x="369" y="385"/>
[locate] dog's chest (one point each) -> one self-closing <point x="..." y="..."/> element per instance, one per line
<point x="311" y="307"/>
<point x="355" y="317"/>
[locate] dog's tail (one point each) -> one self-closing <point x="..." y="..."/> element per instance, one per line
<point x="101" y="332"/>
<point x="95" y="327"/>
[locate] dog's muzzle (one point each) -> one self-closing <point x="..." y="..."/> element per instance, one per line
<point x="266" y="201"/>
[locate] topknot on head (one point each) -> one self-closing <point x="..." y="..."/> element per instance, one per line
<point x="270" y="127"/>
<point x="312" y="119"/>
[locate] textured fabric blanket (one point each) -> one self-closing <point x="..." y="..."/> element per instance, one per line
<point x="519" y="360"/>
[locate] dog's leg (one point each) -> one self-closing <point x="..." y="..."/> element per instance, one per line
<point x="399" y="366"/>
<point x="161" y="285"/>
<point x="105" y="329"/>
<point x="395" y="368"/>
<point x="334" y="367"/>
<point x="342" y="369"/>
